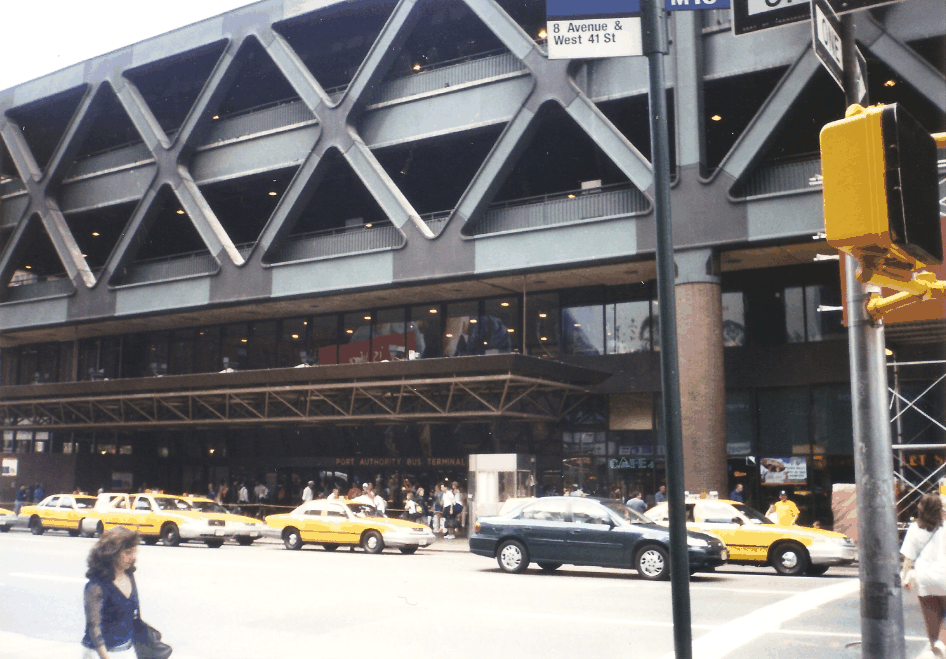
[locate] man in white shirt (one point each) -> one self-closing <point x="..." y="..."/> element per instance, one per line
<point x="379" y="502"/>
<point x="307" y="493"/>
<point x="448" y="516"/>
<point x="244" y="495"/>
<point x="333" y="495"/>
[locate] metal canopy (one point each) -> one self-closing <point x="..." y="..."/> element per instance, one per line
<point x="428" y="391"/>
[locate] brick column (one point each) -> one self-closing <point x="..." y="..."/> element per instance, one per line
<point x="702" y="379"/>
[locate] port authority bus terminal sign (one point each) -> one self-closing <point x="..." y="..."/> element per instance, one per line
<point x="593" y="28"/>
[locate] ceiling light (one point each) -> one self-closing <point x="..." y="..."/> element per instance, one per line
<point x="542" y="315"/>
<point x="180" y="212"/>
<point x="504" y="304"/>
<point x="368" y="225"/>
<point x="417" y="67"/>
<point x="350" y="331"/>
<point x="472" y="320"/>
<point x="367" y="317"/>
<point x="888" y="352"/>
<point x="577" y="324"/>
<point x="85" y="256"/>
<point x="716" y="117"/>
<point x="95" y="234"/>
<point x="305" y="322"/>
<point x="216" y="116"/>
<point x="543" y="339"/>
<point x="295" y="336"/>
<point x="485" y="343"/>
<point x="242" y="340"/>
<point x="543" y="34"/>
<point x="273" y="193"/>
<point x="510" y="330"/>
<point x="28" y="267"/>
<point x="571" y="196"/>
<point x="449" y="336"/>
<point x="827" y="257"/>
<point x="890" y="83"/>
<point x="433" y="311"/>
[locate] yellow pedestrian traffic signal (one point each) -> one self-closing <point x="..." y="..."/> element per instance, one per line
<point x="880" y="191"/>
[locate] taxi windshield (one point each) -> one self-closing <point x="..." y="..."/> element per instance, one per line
<point x="168" y="503"/>
<point x="208" y="507"/>
<point x="625" y="513"/>
<point x="364" y="510"/>
<point x="754" y="516"/>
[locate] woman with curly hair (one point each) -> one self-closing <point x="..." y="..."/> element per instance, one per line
<point x="111" y="597"/>
<point x="924" y="566"/>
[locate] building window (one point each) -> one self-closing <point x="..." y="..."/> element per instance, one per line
<point x="739" y="426"/>
<point x="294" y="343"/>
<point x="583" y="329"/>
<point x="832" y="425"/>
<point x="424" y="331"/>
<point x="460" y="331"/>
<point x="323" y="337"/>
<point x="355" y="347"/>
<point x="628" y="327"/>
<point x="543" y="325"/>
<point x="734" y="319"/>
<point x="499" y="328"/>
<point x="388" y="337"/>
<point x="783" y="421"/>
<point x="823" y="311"/>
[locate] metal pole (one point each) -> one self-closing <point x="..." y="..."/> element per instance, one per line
<point x="879" y="555"/>
<point x="655" y="46"/>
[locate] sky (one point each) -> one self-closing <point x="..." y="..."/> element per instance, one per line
<point x="41" y="36"/>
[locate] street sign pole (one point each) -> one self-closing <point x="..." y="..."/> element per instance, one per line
<point x="878" y="561"/>
<point x="655" y="46"/>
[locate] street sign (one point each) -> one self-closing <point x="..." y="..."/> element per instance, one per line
<point x="754" y="15"/>
<point x="691" y="5"/>
<point x="826" y="40"/>
<point x="583" y="29"/>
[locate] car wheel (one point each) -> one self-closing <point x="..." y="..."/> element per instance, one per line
<point x="244" y="540"/>
<point x="653" y="563"/>
<point x="408" y="550"/>
<point x="292" y="538"/>
<point x="329" y="547"/>
<point x="170" y="535"/>
<point x="150" y="540"/>
<point x="4" y="529"/>
<point x="549" y="567"/>
<point x="99" y="530"/>
<point x="789" y="559"/>
<point x="214" y="544"/>
<point x="36" y="526"/>
<point x="372" y="542"/>
<point x="512" y="557"/>
<point x="816" y="570"/>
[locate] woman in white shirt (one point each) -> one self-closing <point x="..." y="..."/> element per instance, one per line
<point x="924" y="566"/>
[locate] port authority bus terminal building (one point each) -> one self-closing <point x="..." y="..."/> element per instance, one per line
<point x="311" y="238"/>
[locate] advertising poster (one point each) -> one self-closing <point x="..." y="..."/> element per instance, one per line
<point x="784" y="471"/>
<point x="9" y="467"/>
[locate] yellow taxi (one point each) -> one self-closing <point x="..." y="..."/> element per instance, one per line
<point x="64" y="512"/>
<point x="755" y="540"/>
<point x="168" y="518"/>
<point x="7" y="520"/>
<point x="246" y="529"/>
<point x="331" y="523"/>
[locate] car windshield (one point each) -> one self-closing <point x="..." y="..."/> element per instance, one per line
<point x="167" y="503"/>
<point x="364" y="510"/>
<point x="208" y="507"/>
<point x="753" y="515"/>
<point x="625" y="513"/>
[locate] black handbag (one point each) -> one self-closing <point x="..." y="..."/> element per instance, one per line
<point x="148" y="643"/>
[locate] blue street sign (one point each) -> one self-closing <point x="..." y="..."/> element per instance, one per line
<point x="576" y="9"/>
<point x="678" y="5"/>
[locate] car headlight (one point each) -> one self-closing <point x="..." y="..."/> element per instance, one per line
<point x="697" y="542"/>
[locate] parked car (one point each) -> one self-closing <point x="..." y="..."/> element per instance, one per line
<point x="7" y="520"/>
<point x="554" y="531"/>
<point x="247" y="529"/>
<point x="755" y="540"/>
<point x="170" y="519"/>
<point x="63" y="512"/>
<point x="342" y="522"/>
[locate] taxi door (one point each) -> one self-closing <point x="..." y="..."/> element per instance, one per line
<point x="342" y="526"/>
<point x="144" y="516"/>
<point x="722" y="520"/>
<point x="67" y="517"/>
<point x="118" y="513"/>
<point x="50" y="513"/>
<point x="312" y="524"/>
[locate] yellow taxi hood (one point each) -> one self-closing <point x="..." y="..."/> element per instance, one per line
<point x="4" y="511"/>
<point x="278" y="520"/>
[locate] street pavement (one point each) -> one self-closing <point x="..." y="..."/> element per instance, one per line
<point x="258" y="601"/>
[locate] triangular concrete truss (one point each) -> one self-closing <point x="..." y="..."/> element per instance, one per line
<point x="553" y="81"/>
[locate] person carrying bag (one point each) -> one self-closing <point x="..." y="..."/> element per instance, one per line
<point x="924" y="566"/>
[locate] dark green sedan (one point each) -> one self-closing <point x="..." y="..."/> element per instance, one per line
<point x="554" y="531"/>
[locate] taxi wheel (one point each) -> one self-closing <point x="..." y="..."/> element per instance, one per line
<point x="330" y="547"/>
<point x="408" y="550"/>
<point x="372" y="542"/>
<point x="790" y="559"/>
<point x="170" y="535"/>
<point x="150" y="540"/>
<point x="244" y="540"/>
<point x="816" y="570"/>
<point x="214" y="544"/>
<point x="512" y="557"/>
<point x="74" y="533"/>
<point x="653" y="563"/>
<point x="5" y="529"/>
<point x="99" y="530"/>
<point x="291" y="538"/>
<point x="36" y="526"/>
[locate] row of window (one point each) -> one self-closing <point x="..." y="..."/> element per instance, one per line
<point x="598" y="321"/>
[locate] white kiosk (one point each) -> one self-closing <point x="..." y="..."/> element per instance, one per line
<point x="495" y="478"/>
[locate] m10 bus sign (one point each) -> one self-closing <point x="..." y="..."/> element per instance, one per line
<point x="593" y="28"/>
<point x="754" y="15"/>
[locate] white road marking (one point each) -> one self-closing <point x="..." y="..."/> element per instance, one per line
<point x="588" y="619"/>
<point x="47" y="577"/>
<point x="806" y="632"/>
<point x="727" y="638"/>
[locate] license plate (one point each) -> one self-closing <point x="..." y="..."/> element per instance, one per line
<point x="724" y="555"/>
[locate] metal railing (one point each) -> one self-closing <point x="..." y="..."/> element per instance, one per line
<point x="780" y="178"/>
<point x="177" y="266"/>
<point x="338" y="242"/>
<point x="442" y="75"/>
<point x="284" y="113"/>
<point x="118" y="157"/>
<point x="561" y="208"/>
<point x="52" y="286"/>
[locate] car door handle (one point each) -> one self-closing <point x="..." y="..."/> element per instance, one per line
<point x="575" y="532"/>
